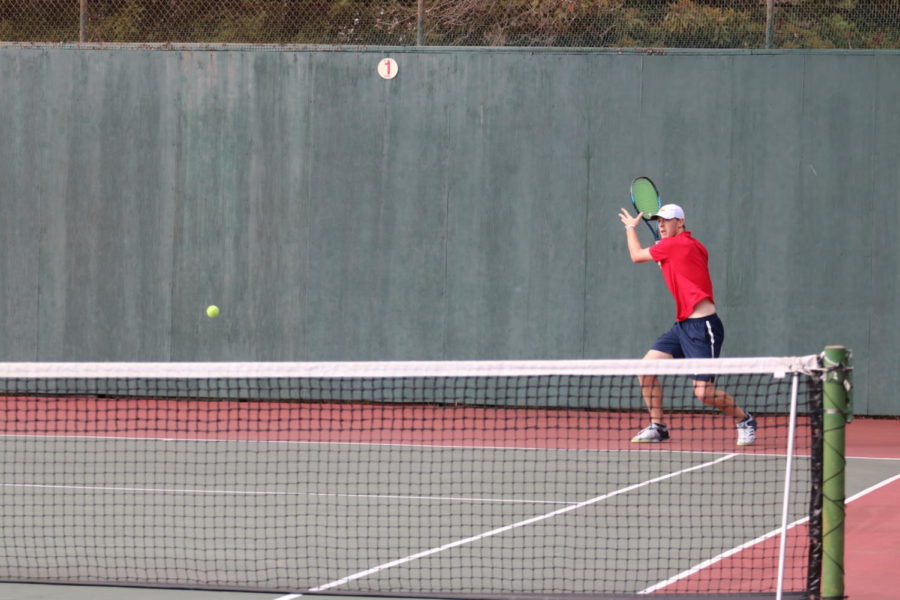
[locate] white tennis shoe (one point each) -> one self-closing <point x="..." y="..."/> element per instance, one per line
<point x="654" y="433"/>
<point x="746" y="431"/>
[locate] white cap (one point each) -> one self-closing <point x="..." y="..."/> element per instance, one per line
<point x="669" y="211"/>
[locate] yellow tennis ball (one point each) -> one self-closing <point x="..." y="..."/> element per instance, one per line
<point x="212" y="311"/>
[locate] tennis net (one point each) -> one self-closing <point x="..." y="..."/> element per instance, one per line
<point x="410" y="478"/>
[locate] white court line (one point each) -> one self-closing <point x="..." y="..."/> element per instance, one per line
<point x="745" y="545"/>
<point x="715" y="559"/>
<point x="883" y="458"/>
<point x="437" y="446"/>
<point x="871" y="489"/>
<point x="398" y="445"/>
<point x="274" y="493"/>
<point x="505" y="528"/>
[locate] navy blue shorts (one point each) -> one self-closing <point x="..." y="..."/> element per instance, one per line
<point x="694" y="338"/>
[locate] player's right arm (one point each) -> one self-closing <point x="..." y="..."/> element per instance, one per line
<point x="637" y="252"/>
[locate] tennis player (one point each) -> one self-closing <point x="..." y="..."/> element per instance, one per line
<point x="697" y="333"/>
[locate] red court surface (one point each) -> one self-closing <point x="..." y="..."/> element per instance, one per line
<point x="872" y="536"/>
<point x="454" y="425"/>
<point x="874" y="438"/>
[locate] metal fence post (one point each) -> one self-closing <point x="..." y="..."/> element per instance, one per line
<point x="82" y="26"/>
<point x="420" y="24"/>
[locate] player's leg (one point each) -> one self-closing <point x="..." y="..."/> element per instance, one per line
<point x="702" y="338"/>
<point x="651" y="389"/>
<point x="666" y="347"/>
<point x="707" y="393"/>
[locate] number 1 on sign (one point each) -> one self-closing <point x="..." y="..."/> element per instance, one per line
<point x="387" y="68"/>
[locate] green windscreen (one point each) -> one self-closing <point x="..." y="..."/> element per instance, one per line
<point x="645" y="196"/>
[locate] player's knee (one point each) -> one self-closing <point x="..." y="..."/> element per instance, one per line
<point x="648" y="380"/>
<point x="705" y="392"/>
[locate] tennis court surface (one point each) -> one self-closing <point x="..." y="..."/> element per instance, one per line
<point x="410" y="479"/>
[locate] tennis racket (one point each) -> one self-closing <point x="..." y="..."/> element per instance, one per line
<point x="645" y="198"/>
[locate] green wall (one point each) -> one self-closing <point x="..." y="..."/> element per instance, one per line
<point x="464" y="210"/>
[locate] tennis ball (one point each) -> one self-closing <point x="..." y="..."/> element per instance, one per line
<point x="212" y="311"/>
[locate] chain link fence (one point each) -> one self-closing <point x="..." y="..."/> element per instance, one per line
<point x="844" y="24"/>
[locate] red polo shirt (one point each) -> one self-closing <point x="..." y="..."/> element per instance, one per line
<point x="685" y="267"/>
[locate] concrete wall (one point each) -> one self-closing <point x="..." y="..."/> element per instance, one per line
<point x="464" y="210"/>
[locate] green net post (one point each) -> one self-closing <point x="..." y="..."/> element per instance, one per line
<point x="835" y="387"/>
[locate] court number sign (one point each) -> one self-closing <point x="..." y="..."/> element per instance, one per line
<point x="387" y="68"/>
